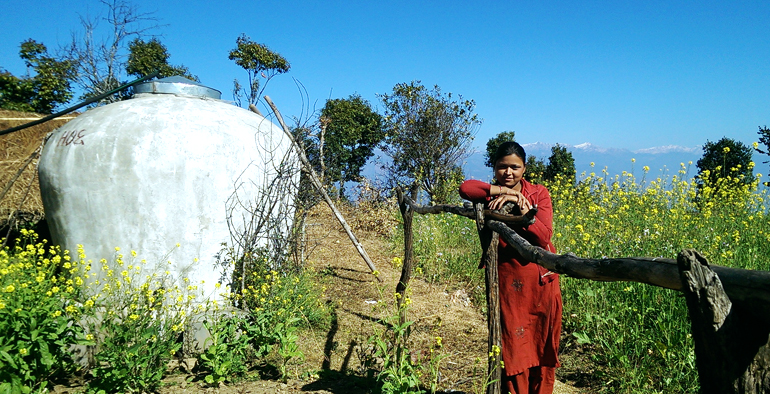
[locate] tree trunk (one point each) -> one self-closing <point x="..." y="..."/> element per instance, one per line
<point x="731" y="345"/>
<point x="414" y="191"/>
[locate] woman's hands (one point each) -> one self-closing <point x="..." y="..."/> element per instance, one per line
<point x="513" y="196"/>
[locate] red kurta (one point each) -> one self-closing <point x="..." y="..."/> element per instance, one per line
<point x="530" y="298"/>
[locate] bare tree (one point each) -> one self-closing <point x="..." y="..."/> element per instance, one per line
<point x="100" y="55"/>
<point x="266" y="215"/>
<point x="261" y="211"/>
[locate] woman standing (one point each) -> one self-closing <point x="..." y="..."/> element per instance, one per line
<point x="530" y="298"/>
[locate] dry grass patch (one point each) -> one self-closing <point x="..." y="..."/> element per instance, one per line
<point x="15" y="149"/>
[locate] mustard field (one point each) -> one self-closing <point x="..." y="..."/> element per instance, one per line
<point x="623" y="337"/>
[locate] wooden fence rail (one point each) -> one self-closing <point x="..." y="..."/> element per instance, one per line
<point x="729" y="308"/>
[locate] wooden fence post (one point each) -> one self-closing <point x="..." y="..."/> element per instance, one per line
<point x="406" y="271"/>
<point x="731" y="342"/>
<point x="489" y="240"/>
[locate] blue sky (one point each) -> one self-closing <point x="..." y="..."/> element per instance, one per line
<point x="619" y="74"/>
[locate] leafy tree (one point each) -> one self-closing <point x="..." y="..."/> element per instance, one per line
<point x="259" y="62"/>
<point x="494" y="142"/>
<point x="535" y="169"/>
<point x="15" y="93"/>
<point x="428" y="134"/>
<point x="101" y="55"/>
<point x="560" y="162"/>
<point x="764" y="138"/>
<point x="726" y="157"/>
<point x="146" y="57"/>
<point x="42" y="92"/>
<point x="349" y="133"/>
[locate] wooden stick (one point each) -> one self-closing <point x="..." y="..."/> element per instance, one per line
<point x="254" y="109"/>
<point x="489" y="240"/>
<point x="406" y="271"/>
<point x="10" y="183"/>
<point x="320" y="188"/>
<point x="468" y="212"/>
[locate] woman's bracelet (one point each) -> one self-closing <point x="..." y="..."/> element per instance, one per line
<point x="500" y="190"/>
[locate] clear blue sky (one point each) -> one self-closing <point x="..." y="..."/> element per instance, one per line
<point x="623" y="74"/>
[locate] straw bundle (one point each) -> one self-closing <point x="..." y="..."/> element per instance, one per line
<point x="22" y="200"/>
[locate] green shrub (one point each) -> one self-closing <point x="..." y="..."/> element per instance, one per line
<point x="138" y="324"/>
<point x="39" y="314"/>
<point x="228" y="349"/>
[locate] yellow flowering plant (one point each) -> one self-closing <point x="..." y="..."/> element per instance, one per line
<point x="722" y="213"/>
<point x="262" y="311"/>
<point x="141" y="315"/>
<point x="40" y="310"/>
<point x="228" y="349"/>
<point x="398" y="370"/>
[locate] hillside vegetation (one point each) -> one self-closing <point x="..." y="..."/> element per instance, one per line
<point x="331" y="326"/>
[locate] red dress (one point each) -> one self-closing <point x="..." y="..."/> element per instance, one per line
<point x="530" y="298"/>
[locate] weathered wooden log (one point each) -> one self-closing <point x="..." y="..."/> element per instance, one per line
<point x="731" y="346"/>
<point x="745" y="287"/>
<point x="406" y="270"/>
<point x="468" y="212"/>
<point x="489" y="240"/>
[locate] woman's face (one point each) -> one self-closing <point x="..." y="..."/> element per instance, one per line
<point x="509" y="170"/>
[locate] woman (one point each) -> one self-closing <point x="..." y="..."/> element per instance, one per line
<point x="530" y="298"/>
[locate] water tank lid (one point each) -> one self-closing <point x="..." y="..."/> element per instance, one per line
<point x="177" y="85"/>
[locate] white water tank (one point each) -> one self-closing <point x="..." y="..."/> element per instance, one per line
<point x="173" y="165"/>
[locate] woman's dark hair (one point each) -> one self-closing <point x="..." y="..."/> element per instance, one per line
<point x="509" y="148"/>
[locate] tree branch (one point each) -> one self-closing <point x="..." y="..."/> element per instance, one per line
<point x="468" y="212"/>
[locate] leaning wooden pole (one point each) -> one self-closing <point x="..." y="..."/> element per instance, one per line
<point x="406" y="270"/>
<point x="320" y="188"/>
<point x="23" y="167"/>
<point x="489" y="240"/>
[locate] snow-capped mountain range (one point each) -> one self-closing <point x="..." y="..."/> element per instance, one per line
<point x="662" y="160"/>
<point x="589" y="147"/>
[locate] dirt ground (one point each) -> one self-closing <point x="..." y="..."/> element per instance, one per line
<point x="335" y="361"/>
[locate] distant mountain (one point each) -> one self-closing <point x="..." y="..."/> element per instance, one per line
<point x="671" y="149"/>
<point x="663" y="160"/>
